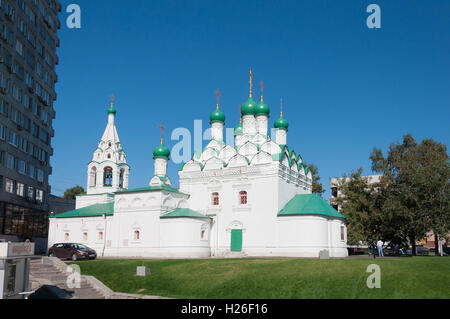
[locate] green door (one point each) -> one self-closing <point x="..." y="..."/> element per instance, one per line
<point x="236" y="240"/>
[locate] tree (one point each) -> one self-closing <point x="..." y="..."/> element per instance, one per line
<point x="317" y="187"/>
<point x="361" y="204"/>
<point x="73" y="192"/>
<point x="416" y="178"/>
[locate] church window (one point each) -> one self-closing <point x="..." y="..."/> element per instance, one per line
<point x="100" y="235"/>
<point x="121" y="179"/>
<point x="203" y="234"/>
<point x="85" y="236"/>
<point x="137" y="235"/>
<point x="93" y="176"/>
<point x="215" y="199"/>
<point x="108" y="176"/>
<point x="109" y="144"/>
<point x="66" y="237"/>
<point x="342" y="233"/>
<point x="243" y="197"/>
<point x="109" y="156"/>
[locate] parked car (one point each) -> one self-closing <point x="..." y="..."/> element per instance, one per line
<point x="72" y="251"/>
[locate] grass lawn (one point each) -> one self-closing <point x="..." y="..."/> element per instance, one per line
<point x="414" y="277"/>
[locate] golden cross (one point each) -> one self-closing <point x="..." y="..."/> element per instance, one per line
<point x="262" y="91"/>
<point x="251" y="83"/>
<point x="281" y="107"/>
<point x="163" y="128"/>
<point x="218" y="97"/>
<point x="112" y="100"/>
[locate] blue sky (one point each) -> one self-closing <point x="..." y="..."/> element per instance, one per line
<point x="347" y="88"/>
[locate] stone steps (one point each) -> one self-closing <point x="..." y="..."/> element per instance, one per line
<point x="45" y="274"/>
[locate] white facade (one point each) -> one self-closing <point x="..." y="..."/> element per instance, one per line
<point x="228" y="203"/>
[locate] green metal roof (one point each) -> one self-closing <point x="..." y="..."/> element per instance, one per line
<point x="151" y="188"/>
<point x="309" y="204"/>
<point x="89" y="211"/>
<point x="184" y="212"/>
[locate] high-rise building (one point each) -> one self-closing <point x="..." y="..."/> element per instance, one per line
<point x="28" y="42"/>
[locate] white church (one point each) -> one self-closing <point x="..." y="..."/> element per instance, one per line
<point x="251" y="199"/>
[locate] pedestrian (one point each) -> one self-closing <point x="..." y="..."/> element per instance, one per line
<point x="380" y="248"/>
<point x="374" y="248"/>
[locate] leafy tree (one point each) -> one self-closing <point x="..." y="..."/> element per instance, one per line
<point x="361" y="203"/>
<point x="73" y="192"/>
<point x="416" y="178"/>
<point x="317" y="187"/>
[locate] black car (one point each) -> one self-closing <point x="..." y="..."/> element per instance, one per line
<point x="72" y="251"/>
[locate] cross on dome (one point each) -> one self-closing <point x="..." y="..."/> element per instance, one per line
<point x="163" y="128"/>
<point x="218" y="97"/>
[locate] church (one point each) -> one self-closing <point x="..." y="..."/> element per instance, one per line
<point x="253" y="198"/>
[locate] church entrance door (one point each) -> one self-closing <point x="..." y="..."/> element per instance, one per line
<point x="236" y="240"/>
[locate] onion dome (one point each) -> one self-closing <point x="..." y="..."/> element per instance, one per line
<point x="262" y="109"/>
<point x="281" y="123"/>
<point x="249" y="107"/>
<point x="161" y="151"/>
<point x="238" y="129"/>
<point x="217" y="116"/>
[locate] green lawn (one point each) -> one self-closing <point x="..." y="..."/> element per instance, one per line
<point x="414" y="277"/>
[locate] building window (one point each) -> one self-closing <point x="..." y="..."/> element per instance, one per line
<point x="9" y="186"/>
<point x="93" y="180"/>
<point x="39" y="195"/>
<point x="40" y="175"/>
<point x="108" y="176"/>
<point x="137" y="235"/>
<point x="11" y="162"/>
<point x="121" y="179"/>
<point x="30" y="193"/>
<point x="20" y="189"/>
<point x="66" y="237"/>
<point x="13" y="139"/>
<point x="21" y="167"/>
<point x="100" y="235"/>
<point x="203" y="234"/>
<point x="243" y="197"/>
<point x="342" y="233"/>
<point x="215" y="199"/>
<point x="85" y="236"/>
<point x="2" y="132"/>
<point x="31" y="171"/>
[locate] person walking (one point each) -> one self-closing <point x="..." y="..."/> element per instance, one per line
<point x="380" y="248"/>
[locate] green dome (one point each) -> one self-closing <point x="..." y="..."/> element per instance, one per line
<point x="217" y="116"/>
<point x="281" y="123"/>
<point x="112" y="111"/>
<point x="249" y="107"/>
<point x="161" y="151"/>
<point x="238" y="129"/>
<point x="262" y="109"/>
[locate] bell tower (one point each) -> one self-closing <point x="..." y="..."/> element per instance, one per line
<point x="108" y="171"/>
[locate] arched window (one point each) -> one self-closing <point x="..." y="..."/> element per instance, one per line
<point x="66" y="237"/>
<point x="215" y="198"/>
<point x="93" y="176"/>
<point x="137" y="235"/>
<point x="121" y="178"/>
<point x="85" y="236"/>
<point x="100" y="235"/>
<point x="243" y="197"/>
<point x="107" y="176"/>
